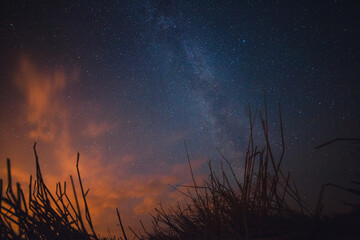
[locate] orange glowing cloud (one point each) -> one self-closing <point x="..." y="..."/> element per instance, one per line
<point x="40" y="91"/>
<point x="47" y="118"/>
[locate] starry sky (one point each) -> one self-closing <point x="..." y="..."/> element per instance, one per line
<point x="125" y="82"/>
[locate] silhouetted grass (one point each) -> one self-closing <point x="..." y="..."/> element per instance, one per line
<point x="263" y="204"/>
<point x="43" y="215"/>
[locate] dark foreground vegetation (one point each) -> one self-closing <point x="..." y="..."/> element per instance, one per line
<point x="263" y="204"/>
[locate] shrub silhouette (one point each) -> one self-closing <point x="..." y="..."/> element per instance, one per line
<point x="264" y="204"/>
<point x="44" y="215"/>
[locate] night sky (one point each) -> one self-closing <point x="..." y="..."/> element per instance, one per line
<point x="125" y="82"/>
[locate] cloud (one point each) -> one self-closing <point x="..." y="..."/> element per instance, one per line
<point x="40" y="90"/>
<point x="61" y="131"/>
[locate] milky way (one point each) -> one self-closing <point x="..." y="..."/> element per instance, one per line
<point x="124" y="83"/>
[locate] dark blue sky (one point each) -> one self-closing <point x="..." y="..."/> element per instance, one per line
<point x="166" y="71"/>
